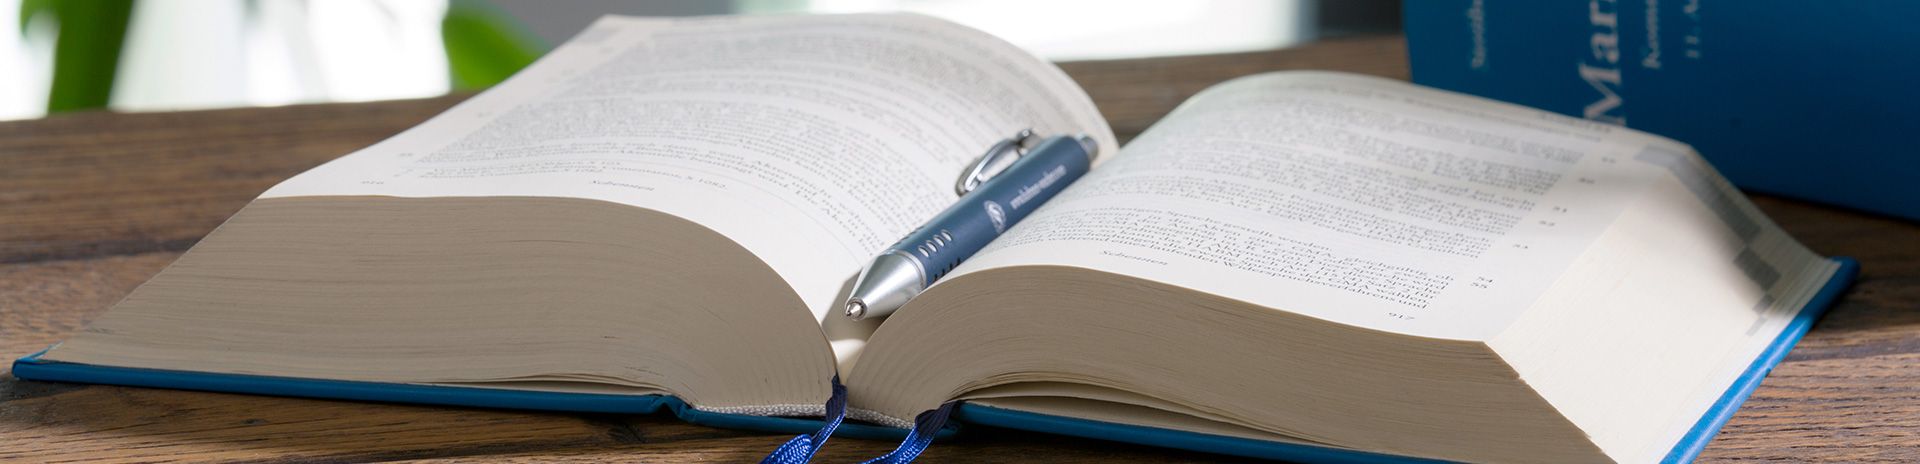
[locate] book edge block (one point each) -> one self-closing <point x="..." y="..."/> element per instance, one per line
<point x="1686" y="450"/>
<point x="32" y="367"/>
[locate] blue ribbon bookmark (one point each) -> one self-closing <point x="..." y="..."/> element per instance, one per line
<point x="800" y="449"/>
<point x="924" y="428"/>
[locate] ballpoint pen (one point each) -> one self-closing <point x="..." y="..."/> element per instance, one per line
<point x="989" y="204"/>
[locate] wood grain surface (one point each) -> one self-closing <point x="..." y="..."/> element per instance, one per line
<point x="93" y="204"/>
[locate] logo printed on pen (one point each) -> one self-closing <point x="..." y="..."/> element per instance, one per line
<point x="920" y="259"/>
<point x="997" y="216"/>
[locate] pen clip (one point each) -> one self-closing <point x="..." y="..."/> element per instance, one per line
<point x="976" y="173"/>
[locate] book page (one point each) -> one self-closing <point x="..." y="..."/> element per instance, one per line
<point x="812" y="141"/>
<point x="1354" y="199"/>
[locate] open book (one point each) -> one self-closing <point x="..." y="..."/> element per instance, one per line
<point x="673" y="208"/>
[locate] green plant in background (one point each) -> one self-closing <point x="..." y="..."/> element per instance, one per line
<point x="86" y="51"/>
<point x="484" y="46"/>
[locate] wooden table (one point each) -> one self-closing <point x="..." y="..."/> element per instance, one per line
<point x="93" y="204"/>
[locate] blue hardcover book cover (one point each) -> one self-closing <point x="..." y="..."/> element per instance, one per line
<point x="33" y="368"/>
<point x="1798" y="98"/>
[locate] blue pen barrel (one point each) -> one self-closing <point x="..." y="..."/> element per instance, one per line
<point x="996" y="205"/>
<point x="930" y="252"/>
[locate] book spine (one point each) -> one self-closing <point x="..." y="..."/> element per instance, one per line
<point x="1800" y="98"/>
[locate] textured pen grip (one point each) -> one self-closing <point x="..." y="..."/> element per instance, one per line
<point x="982" y="215"/>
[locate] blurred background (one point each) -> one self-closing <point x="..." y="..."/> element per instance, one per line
<point x="163" y="55"/>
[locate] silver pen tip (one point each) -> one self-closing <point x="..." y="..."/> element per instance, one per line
<point x="856" y="310"/>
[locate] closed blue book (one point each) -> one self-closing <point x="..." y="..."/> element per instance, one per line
<point x="1800" y="98"/>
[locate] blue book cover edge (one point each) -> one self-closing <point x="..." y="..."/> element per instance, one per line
<point x="34" y="368"/>
<point x="1689" y="447"/>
